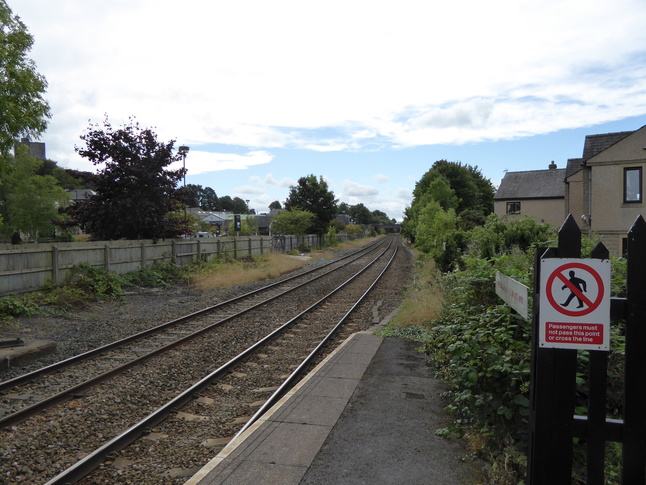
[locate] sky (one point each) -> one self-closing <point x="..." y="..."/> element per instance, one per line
<point x="367" y="94"/>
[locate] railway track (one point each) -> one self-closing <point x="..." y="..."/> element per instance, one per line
<point x="277" y="335"/>
<point x="35" y="391"/>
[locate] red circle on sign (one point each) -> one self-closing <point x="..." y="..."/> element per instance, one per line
<point x="571" y="313"/>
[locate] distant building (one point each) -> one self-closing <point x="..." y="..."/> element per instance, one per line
<point x="344" y="219"/>
<point x="78" y="195"/>
<point x="36" y="149"/>
<point x="536" y="193"/>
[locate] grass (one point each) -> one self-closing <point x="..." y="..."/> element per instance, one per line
<point x="423" y="301"/>
<point x="222" y="274"/>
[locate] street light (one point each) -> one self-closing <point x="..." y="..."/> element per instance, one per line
<point x="183" y="150"/>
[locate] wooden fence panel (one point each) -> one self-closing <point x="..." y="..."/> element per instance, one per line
<point x="29" y="267"/>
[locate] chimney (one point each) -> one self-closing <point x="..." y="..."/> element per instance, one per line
<point x="552" y="166"/>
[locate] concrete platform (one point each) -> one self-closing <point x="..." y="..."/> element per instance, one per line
<point x="367" y="414"/>
<point x="12" y="357"/>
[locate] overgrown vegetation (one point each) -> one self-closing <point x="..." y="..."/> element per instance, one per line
<point x="482" y="349"/>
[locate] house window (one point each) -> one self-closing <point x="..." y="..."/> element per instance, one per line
<point x="513" y="207"/>
<point x="633" y="184"/>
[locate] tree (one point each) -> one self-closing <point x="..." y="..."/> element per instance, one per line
<point x="472" y="189"/>
<point x="235" y="205"/>
<point x="135" y="192"/>
<point x="453" y="186"/>
<point x="292" y="222"/>
<point x="314" y="196"/>
<point x="275" y="205"/>
<point x="23" y="110"/>
<point x="29" y="202"/>
<point x="380" y="217"/>
<point x="360" y="214"/>
<point x="205" y="197"/>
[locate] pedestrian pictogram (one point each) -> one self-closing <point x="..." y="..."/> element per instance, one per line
<point x="575" y="303"/>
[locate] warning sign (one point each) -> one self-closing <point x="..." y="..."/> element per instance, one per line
<point x="575" y="304"/>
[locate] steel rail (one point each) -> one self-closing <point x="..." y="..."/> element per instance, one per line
<point x="289" y="382"/>
<point x="70" y="392"/>
<point x="22" y="379"/>
<point x="90" y="462"/>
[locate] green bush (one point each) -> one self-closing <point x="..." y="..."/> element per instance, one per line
<point x="157" y="276"/>
<point x="95" y="283"/>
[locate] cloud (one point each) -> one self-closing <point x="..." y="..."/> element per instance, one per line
<point x="380" y="178"/>
<point x="200" y="162"/>
<point x="269" y="179"/>
<point x="353" y="189"/>
<point x="384" y="78"/>
<point x="248" y="190"/>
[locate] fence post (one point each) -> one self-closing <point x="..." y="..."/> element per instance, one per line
<point x="106" y="256"/>
<point x="55" y="274"/>
<point x="597" y="381"/>
<point x="552" y="386"/>
<point x="634" y="445"/>
<point x="143" y="255"/>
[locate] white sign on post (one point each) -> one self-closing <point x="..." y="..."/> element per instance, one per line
<point x="575" y="304"/>
<point x="513" y="293"/>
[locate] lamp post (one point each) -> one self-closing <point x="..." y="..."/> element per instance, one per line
<point x="183" y="150"/>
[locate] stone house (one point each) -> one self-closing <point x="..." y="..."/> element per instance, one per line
<point x="603" y="190"/>
<point x="536" y="193"/>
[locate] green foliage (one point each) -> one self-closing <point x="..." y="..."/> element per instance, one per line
<point x="203" y="197"/>
<point x="332" y="239"/>
<point x="313" y="195"/>
<point x="448" y="200"/>
<point x="618" y="277"/>
<point x="292" y="222"/>
<point x="29" y="202"/>
<point x="23" y="109"/>
<point x="85" y="283"/>
<point x="498" y="236"/>
<point x="360" y="214"/>
<point x="94" y="283"/>
<point x="352" y="229"/>
<point x="249" y="226"/>
<point x="16" y="306"/>
<point x="457" y="186"/>
<point x="160" y="275"/>
<point x="235" y="204"/>
<point x="485" y="359"/>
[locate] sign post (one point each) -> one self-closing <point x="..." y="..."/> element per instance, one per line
<point x="575" y="304"/>
<point x="513" y="293"/>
